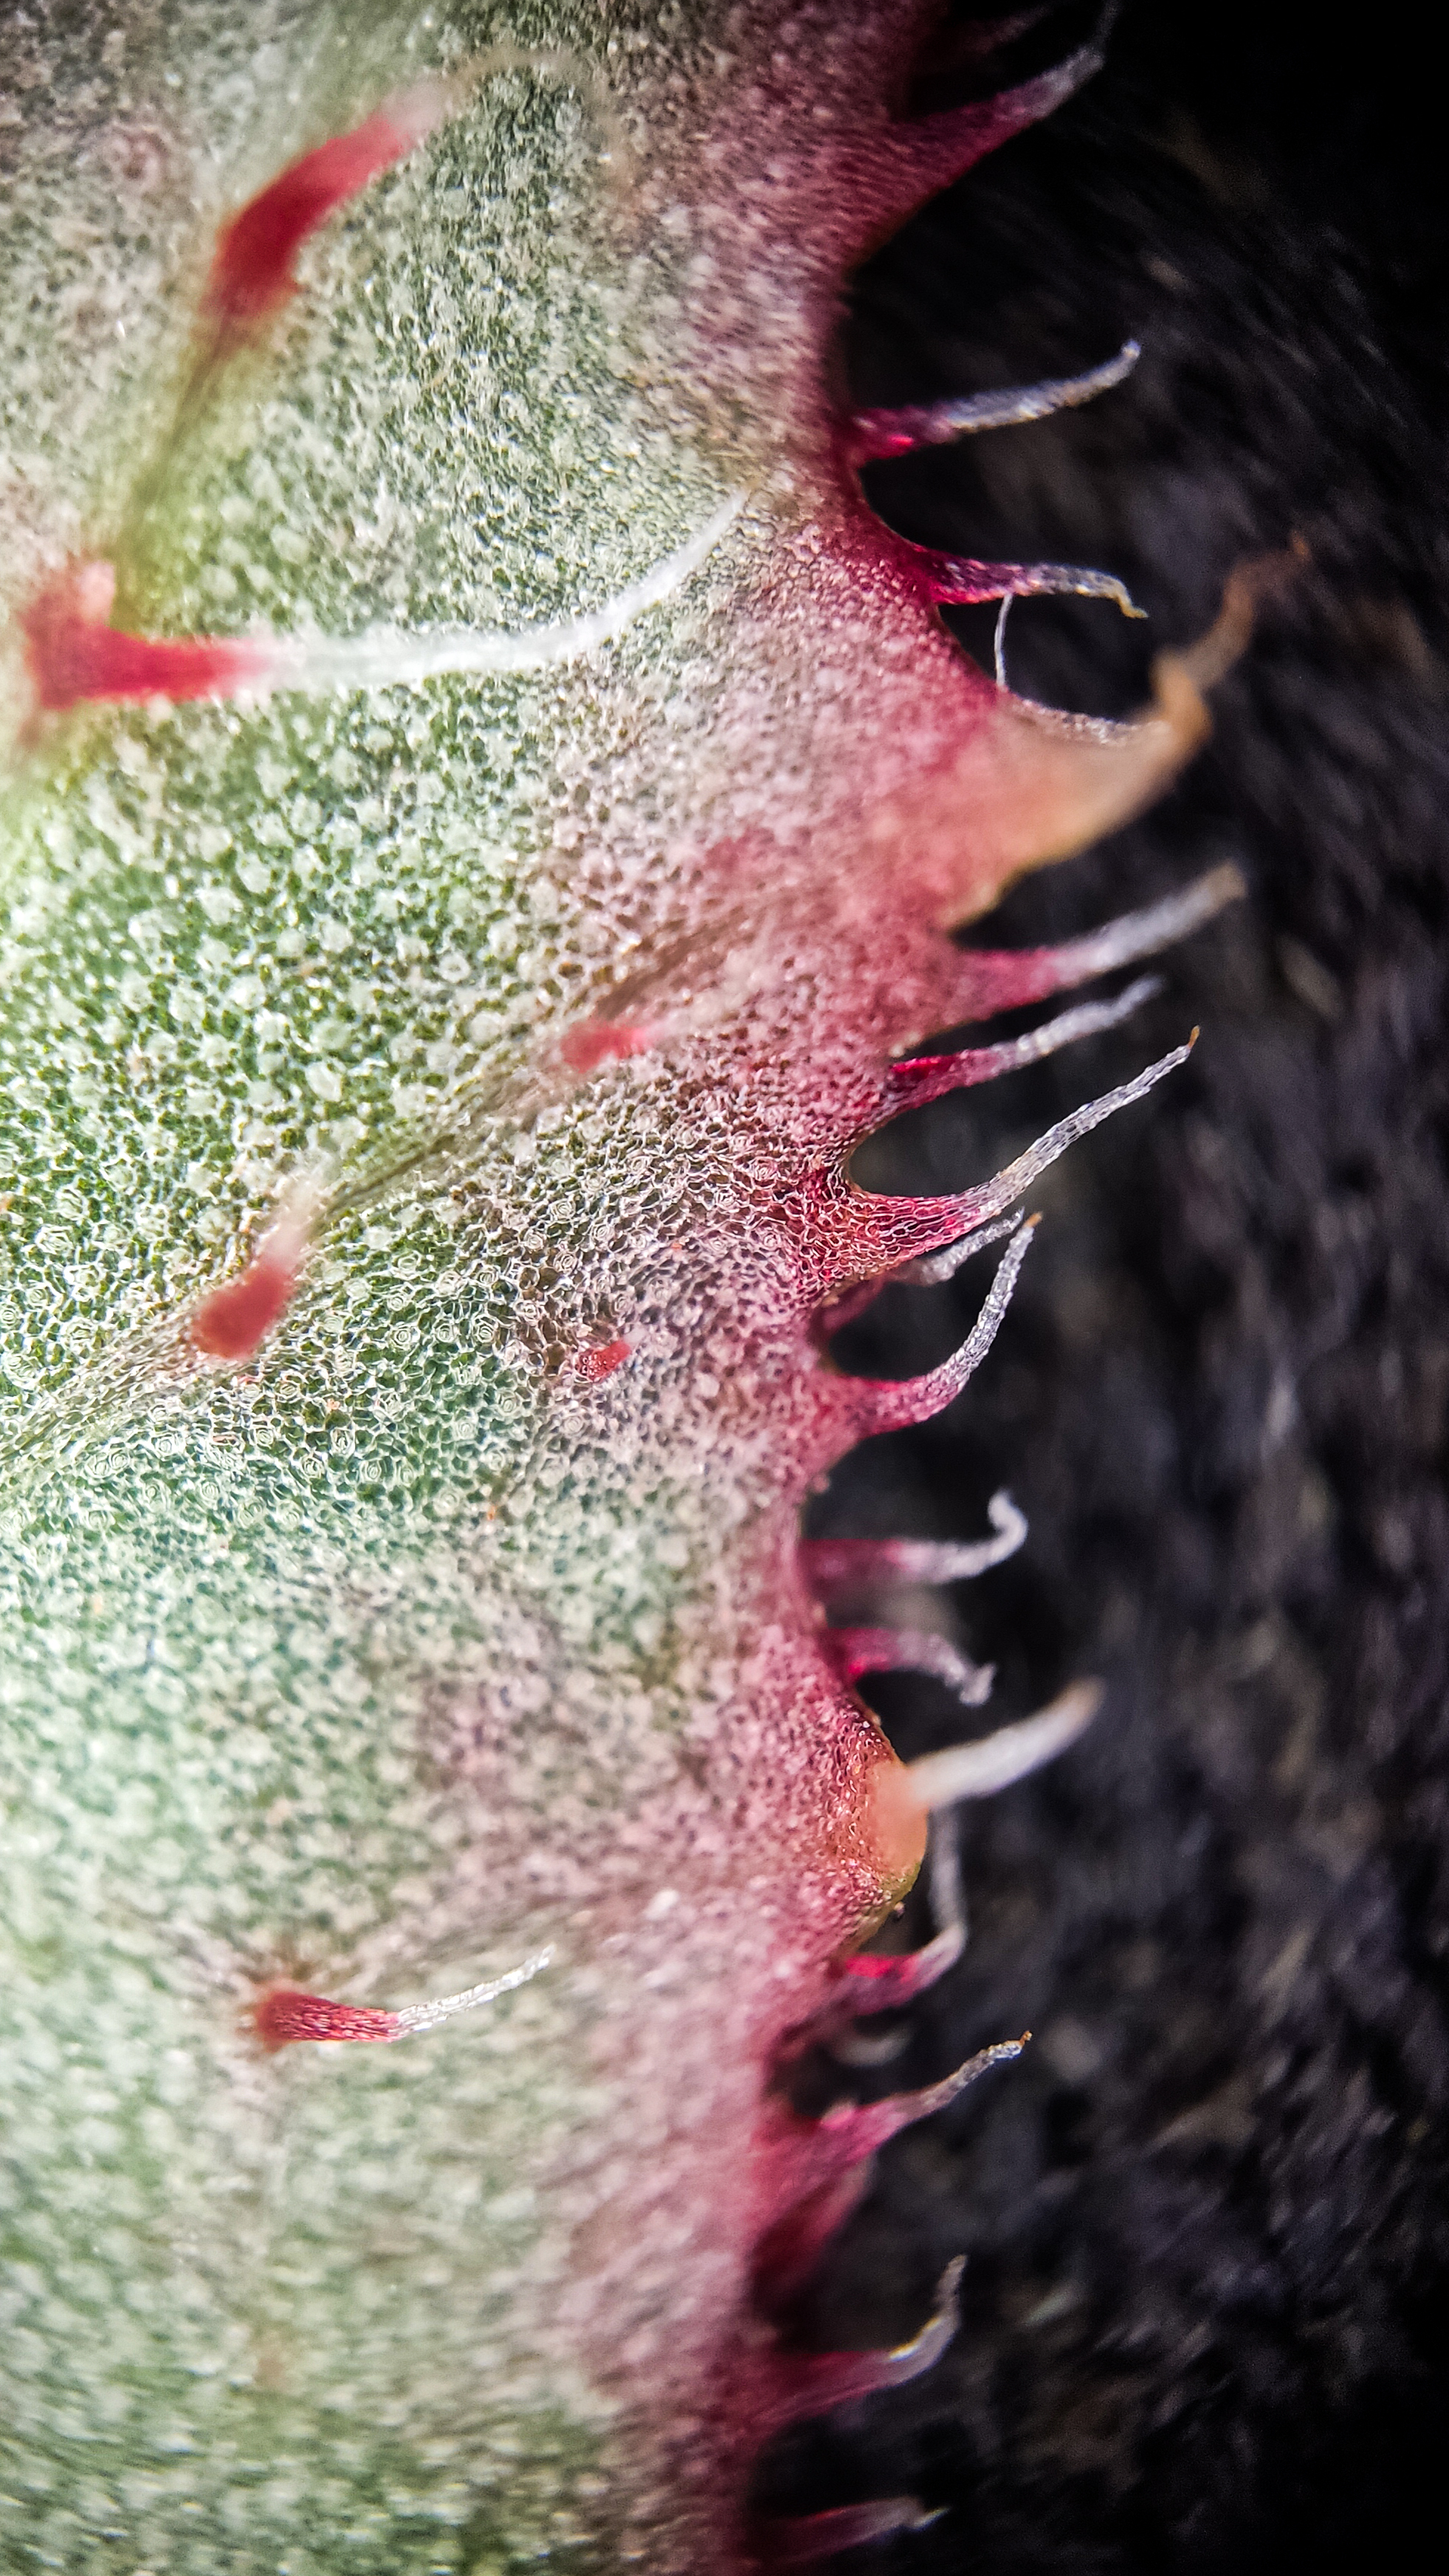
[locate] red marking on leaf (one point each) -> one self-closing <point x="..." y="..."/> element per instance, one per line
<point x="252" y="273"/>
<point x="74" y="655"/>
<point x="234" y="1320"/>
<point x="599" y="1360"/>
<point x="287" y="2015"/>
<point x="603" y="1042"/>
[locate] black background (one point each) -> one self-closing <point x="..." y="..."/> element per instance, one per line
<point x="1204" y="2318"/>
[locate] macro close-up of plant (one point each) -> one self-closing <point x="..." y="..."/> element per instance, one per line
<point x="501" y="837"/>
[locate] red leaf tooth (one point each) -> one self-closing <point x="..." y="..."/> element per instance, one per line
<point x="1002" y="979"/>
<point x="876" y="1985"/>
<point x="872" y="1982"/>
<point x="900" y="167"/>
<point x="75" y="656"/>
<point x="840" y="1565"/>
<point x="252" y="271"/>
<point x="821" y="2150"/>
<point x="807" y="2540"/>
<point x="857" y="1651"/>
<point x="959" y="581"/>
<point x="809" y="2384"/>
<point x="926" y="1271"/>
<point x="859" y="1233"/>
<point x="871" y="435"/>
<point x="929" y="1269"/>
<point x="873" y="1405"/>
<point x="917" y="1079"/>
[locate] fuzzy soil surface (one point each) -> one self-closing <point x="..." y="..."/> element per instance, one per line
<point x="1205" y="2321"/>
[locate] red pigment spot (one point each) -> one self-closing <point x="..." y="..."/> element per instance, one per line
<point x="286" y="2015"/>
<point x="252" y="271"/>
<point x="74" y="655"/>
<point x="601" y="1042"/>
<point x="234" y="1320"/>
<point x="600" y="1360"/>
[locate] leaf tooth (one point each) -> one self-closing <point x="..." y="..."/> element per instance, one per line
<point x="835" y="1566"/>
<point x="825" y="2149"/>
<point x="896" y="432"/>
<point x="870" y="1233"/>
<point x="917" y="1079"/>
<point x="993" y="1762"/>
<point x="873" y="1405"/>
<point x="1001" y="979"/>
<point x="858" y="1651"/>
<point x="900" y="169"/>
<point x="788" y="2252"/>
<point x="808" y="2384"/>
<point x="808" y="2539"/>
<point x="925" y="1270"/>
<point x="873" y="1982"/>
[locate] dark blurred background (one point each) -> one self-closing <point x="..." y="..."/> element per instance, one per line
<point x="1205" y="2321"/>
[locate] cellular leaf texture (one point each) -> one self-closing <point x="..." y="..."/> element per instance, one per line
<point x="484" y="808"/>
